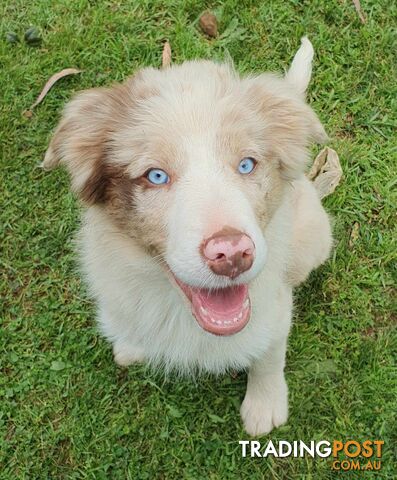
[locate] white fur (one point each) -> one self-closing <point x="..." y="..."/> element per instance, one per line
<point x="300" y="70"/>
<point x="146" y="317"/>
<point x="141" y="308"/>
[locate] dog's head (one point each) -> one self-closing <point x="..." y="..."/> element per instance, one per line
<point x="191" y="163"/>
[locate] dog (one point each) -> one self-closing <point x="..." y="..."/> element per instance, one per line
<point x="198" y="218"/>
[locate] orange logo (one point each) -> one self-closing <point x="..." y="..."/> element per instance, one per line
<point x="371" y="450"/>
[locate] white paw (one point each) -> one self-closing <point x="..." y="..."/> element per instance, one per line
<point x="262" y="411"/>
<point x="127" y="355"/>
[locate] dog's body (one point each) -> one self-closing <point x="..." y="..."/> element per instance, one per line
<point x="199" y="220"/>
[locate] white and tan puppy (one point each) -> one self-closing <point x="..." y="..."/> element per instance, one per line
<point x="199" y="220"/>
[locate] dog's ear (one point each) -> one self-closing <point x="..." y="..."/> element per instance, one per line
<point x="300" y="71"/>
<point x="289" y="124"/>
<point x="81" y="140"/>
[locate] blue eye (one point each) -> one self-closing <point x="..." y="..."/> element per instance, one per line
<point x="157" y="176"/>
<point x="246" y="165"/>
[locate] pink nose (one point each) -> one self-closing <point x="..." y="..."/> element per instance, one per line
<point x="229" y="254"/>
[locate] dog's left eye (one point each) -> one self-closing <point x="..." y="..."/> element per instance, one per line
<point x="157" y="176"/>
<point x="246" y="165"/>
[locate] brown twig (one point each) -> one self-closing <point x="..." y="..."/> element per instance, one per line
<point x="166" y="56"/>
<point x="49" y="84"/>
<point x="359" y="10"/>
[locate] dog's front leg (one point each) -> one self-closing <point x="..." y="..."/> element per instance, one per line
<point x="126" y="354"/>
<point x="126" y="350"/>
<point x="265" y="405"/>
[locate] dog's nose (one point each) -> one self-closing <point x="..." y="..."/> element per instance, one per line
<point x="230" y="254"/>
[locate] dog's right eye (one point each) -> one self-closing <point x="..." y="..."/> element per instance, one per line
<point x="247" y="165"/>
<point x="157" y="176"/>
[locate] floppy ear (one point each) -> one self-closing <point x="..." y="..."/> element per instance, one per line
<point x="81" y="140"/>
<point x="289" y="124"/>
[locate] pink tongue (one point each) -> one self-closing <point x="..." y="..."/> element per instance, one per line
<point x="222" y="312"/>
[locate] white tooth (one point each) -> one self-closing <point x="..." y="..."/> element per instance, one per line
<point x="204" y="310"/>
<point x="240" y="315"/>
<point x="246" y="303"/>
<point x="228" y="322"/>
<point x="219" y="322"/>
<point x="213" y="320"/>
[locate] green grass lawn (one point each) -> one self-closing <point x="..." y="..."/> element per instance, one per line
<point x="66" y="410"/>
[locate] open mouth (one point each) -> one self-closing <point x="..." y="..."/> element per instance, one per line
<point x="225" y="311"/>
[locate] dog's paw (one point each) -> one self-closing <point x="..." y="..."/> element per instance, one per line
<point x="125" y="356"/>
<point x="265" y="410"/>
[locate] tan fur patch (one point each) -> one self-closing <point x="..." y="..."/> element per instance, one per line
<point x="289" y="125"/>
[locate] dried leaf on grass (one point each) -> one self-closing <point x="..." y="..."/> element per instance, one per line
<point x="166" y="56"/>
<point x="49" y="84"/>
<point x="326" y="172"/>
<point x="209" y="24"/>
<point x="354" y="234"/>
<point x="359" y="10"/>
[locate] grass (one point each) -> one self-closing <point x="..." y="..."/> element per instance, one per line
<point x="66" y="411"/>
